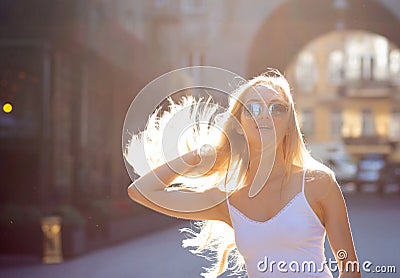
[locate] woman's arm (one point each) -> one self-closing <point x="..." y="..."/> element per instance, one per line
<point x="150" y="191"/>
<point x="338" y="228"/>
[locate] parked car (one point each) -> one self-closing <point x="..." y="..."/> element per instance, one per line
<point x="391" y="175"/>
<point x="344" y="169"/>
<point x="335" y="157"/>
<point x="370" y="170"/>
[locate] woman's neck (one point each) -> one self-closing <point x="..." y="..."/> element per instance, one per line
<point x="278" y="168"/>
<point x="277" y="163"/>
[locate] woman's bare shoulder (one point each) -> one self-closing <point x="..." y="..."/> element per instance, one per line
<point x="320" y="183"/>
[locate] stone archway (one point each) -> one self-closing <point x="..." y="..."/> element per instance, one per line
<point x="297" y="22"/>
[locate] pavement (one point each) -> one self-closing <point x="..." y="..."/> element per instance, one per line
<point x="374" y="219"/>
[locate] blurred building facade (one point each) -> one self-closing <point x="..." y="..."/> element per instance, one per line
<point x="341" y="58"/>
<point x="347" y="89"/>
<point x="70" y="69"/>
<point x="68" y="72"/>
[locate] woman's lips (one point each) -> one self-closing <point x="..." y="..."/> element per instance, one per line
<point x="261" y="127"/>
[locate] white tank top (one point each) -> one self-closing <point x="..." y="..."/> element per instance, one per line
<point x="290" y="244"/>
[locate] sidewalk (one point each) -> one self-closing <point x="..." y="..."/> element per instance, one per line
<point x="375" y="222"/>
<point x="157" y="255"/>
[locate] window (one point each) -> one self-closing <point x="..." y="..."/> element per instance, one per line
<point x="380" y="65"/>
<point x="354" y="50"/>
<point x="368" y="123"/>
<point x="394" y="125"/>
<point x="394" y="66"/>
<point x="307" y="119"/>
<point x="336" y="123"/>
<point x="306" y="71"/>
<point x="335" y="67"/>
<point x="367" y="57"/>
<point x="366" y="63"/>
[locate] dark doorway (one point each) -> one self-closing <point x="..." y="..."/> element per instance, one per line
<point x="22" y="126"/>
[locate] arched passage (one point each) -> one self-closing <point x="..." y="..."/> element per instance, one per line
<point x="297" y="22"/>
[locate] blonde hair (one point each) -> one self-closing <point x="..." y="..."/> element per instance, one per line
<point x="211" y="239"/>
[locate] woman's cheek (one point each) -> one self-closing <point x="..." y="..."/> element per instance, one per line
<point x="280" y="130"/>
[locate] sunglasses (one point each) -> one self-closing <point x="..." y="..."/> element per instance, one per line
<point x="255" y="110"/>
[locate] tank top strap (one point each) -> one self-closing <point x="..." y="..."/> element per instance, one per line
<point x="304" y="180"/>
<point x="227" y="198"/>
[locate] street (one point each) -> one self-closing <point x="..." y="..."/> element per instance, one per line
<point x="374" y="219"/>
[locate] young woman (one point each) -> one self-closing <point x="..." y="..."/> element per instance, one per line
<point x="273" y="221"/>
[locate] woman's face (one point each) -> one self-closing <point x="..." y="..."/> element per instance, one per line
<point x="264" y="111"/>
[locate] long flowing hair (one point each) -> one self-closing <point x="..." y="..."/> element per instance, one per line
<point x="212" y="239"/>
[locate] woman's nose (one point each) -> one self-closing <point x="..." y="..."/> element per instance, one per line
<point x="265" y="114"/>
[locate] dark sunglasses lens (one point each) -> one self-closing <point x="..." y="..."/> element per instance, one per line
<point x="254" y="109"/>
<point x="277" y="108"/>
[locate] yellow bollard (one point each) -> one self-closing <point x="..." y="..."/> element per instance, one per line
<point x="52" y="249"/>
